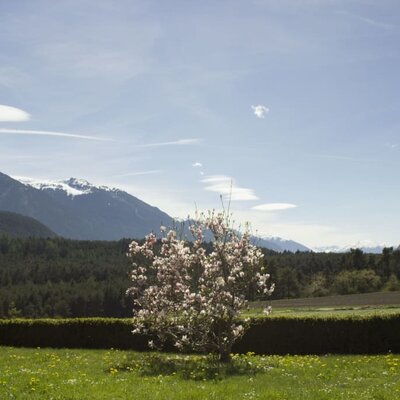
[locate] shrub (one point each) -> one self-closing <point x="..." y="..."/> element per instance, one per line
<point x="192" y="298"/>
<point x="362" y="281"/>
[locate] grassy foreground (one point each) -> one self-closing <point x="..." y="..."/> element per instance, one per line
<point x="111" y="374"/>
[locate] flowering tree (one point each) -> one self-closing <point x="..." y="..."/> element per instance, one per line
<point x="192" y="297"/>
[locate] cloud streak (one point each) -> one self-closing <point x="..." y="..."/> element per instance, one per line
<point x="226" y="186"/>
<point x="179" y="142"/>
<point x="342" y="158"/>
<point x="28" y="132"/>
<point x="274" y="207"/>
<point x="13" y="114"/>
<point x="369" y="21"/>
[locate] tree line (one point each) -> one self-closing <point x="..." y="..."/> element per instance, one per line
<point x="65" y="278"/>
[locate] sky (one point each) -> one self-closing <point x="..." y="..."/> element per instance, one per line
<point x="291" y="108"/>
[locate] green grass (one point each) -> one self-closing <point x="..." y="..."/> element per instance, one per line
<point x="324" y="311"/>
<point x="111" y="374"/>
<point x="352" y="304"/>
<point x="377" y="299"/>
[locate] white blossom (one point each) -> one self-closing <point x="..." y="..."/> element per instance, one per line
<point x="193" y="298"/>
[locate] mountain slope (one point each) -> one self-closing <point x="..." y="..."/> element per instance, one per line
<point x="76" y="209"/>
<point x="25" y="200"/>
<point x="109" y="214"/>
<point x="16" y="225"/>
<point x="278" y="244"/>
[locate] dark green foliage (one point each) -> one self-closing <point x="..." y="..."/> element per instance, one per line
<point x="335" y="335"/>
<point x="66" y="278"/>
<point x="393" y="283"/>
<point x="271" y="335"/>
<point x="70" y="333"/>
<point x="320" y="274"/>
<point x="361" y="281"/>
<point x="17" y="225"/>
<point x="63" y="278"/>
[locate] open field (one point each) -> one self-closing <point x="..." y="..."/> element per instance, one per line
<point x="325" y="311"/>
<point x="102" y="374"/>
<point x="360" y="304"/>
<point x="356" y="300"/>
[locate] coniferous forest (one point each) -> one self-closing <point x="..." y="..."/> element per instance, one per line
<point x="65" y="278"/>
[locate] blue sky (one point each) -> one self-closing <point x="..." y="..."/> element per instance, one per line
<point x="294" y="102"/>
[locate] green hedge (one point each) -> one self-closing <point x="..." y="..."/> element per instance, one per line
<point x="310" y="335"/>
<point x="271" y="335"/>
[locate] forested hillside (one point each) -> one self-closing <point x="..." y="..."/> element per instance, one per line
<point x="321" y="274"/>
<point x="59" y="277"/>
<point x="17" y="225"/>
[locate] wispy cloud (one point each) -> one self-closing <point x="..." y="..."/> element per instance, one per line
<point x="393" y="146"/>
<point x="13" y="114"/>
<point x="150" y="172"/>
<point x="197" y="165"/>
<point x="226" y="186"/>
<point x="369" y="21"/>
<point x="11" y="77"/>
<point x="274" y="207"/>
<point x="8" y="131"/>
<point x="260" y="111"/>
<point x="342" y="158"/>
<point x="101" y="46"/>
<point x="180" y="142"/>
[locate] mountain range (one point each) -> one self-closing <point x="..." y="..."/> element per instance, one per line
<point x="76" y="209"/>
<point x="365" y="246"/>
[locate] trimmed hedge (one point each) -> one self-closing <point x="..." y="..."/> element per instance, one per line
<point x="271" y="335"/>
<point x="310" y="335"/>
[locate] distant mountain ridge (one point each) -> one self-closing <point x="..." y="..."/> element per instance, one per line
<point x="16" y="225"/>
<point x="76" y="209"/>
<point x="365" y="246"/>
<point x="280" y="245"/>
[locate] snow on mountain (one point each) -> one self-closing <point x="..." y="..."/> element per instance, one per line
<point x="72" y="186"/>
<point x="366" y="246"/>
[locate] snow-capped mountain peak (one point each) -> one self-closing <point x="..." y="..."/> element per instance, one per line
<point x="72" y="186"/>
<point x="78" y="184"/>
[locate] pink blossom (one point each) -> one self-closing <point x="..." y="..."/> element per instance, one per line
<point x="189" y="297"/>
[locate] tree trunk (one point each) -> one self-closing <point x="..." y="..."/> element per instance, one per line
<point x="225" y="356"/>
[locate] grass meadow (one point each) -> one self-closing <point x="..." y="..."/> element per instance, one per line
<point x="44" y="373"/>
<point x="113" y="374"/>
<point x="352" y="304"/>
<point x="324" y="311"/>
